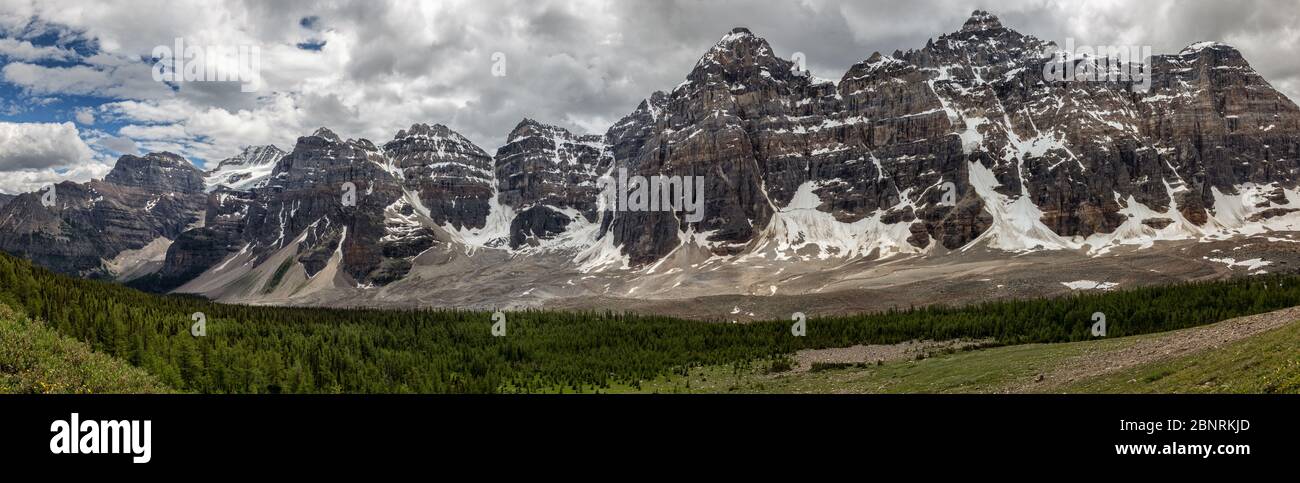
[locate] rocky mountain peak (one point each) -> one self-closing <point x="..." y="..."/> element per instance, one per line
<point x="980" y="21"/>
<point x="737" y="34"/>
<point x="161" y="171"/>
<point x="253" y="156"/>
<point x="982" y="42"/>
<point x="432" y="141"/>
<point x="738" y="56"/>
<point x="877" y="63"/>
<point x="425" y="130"/>
<point x="327" y="134"/>
<point x="246" y="170"/>
<point x="530" y="127"/>
<point x="1198" y="47"/>
<point x="1216" y="53"/>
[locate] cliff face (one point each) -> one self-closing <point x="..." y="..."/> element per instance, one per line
<point x="549" y="177"/>
<point x="1032" y="162"/>
<point x="962" y="143"/>
<point x="143" y="199"/>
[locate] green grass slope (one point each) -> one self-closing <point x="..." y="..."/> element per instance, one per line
<point x="36" y="359"/>
<point x="250" y="349"/>
<point x="1267" y="363"/>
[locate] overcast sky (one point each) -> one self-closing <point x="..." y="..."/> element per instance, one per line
<point x="77" y="87"/>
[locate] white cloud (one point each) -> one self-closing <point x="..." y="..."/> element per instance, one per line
<point x="29" y="145"/>
<point x="582" y="64"/>
<point x="28" y="181"/>
<point x="26" y="51"/>
<point x="118" y="145"/>
<point x="35" y="154"/>
<point x="131" y="81"/>
<point x="85" y="116"/>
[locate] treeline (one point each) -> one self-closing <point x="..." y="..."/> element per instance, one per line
<point x="276" y="349"/>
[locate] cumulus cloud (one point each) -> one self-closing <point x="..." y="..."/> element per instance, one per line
<point x="24" y="50"/>
<point x="17" y="182"/>
<point x="85" y="116"/>
<point x="370" y="68"/>
<point x="130" y="81"/>
<point x="34" y="154"/>
<point x="29" y="146"/>
<point x="118" y="145"/>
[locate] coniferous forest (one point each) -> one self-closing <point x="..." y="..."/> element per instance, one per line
<point x="273" y="349"/>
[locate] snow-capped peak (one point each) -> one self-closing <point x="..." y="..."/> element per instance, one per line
<point x="247" y="170"/>
<point x="734" y="35"/>
<point x="1199" y="46"/>
<point x="740" y="43"/>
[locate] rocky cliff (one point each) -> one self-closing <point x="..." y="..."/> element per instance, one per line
<point x="962" y="144"/>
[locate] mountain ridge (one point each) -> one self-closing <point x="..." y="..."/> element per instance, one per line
<point x="961" y="145"/>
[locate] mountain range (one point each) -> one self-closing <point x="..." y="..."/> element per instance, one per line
<point x="959" y="150"/>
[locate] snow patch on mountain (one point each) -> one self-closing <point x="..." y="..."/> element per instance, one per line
<point x="1089" y="285"/>
<point x="1138" y="229"/>
<point x="1252" y="264"/>
<point x="800" y="230"/>
<point x="245" y="171"/>
<point x="1017" y="222"/>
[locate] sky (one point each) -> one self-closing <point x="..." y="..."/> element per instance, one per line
<point x="78" y="87"/>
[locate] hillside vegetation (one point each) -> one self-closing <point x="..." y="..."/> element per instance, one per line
<point x="273" y="349"/>
<point x="1254" y="355"/>
<point x="36" y="359"/>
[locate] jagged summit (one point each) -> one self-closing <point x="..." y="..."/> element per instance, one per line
<point x="735" y="34"/>
<point x="425" y="130"/>
<point x="741" y="61"/>
<point x="326" y="133"/>
<point x="531" y="127"/>
<point x="252" y="156"/>
<point x="981" y="20"/>
<point x="150" y="169"/>
<point x="737" y="45"/>
<point x="1198" y="47"/>
<point x="246" y="170"/>
<point x="158" y="170"/>
<point x="964" y="144"/>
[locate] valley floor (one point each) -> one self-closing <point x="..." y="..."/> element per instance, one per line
<point x="765" y="291"/>
<point x="1254" y="354"/>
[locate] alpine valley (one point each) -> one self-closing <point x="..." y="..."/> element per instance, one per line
<point x="820" y="195"/>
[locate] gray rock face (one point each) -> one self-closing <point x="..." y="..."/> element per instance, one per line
<point x="895" y="129"/>
<point x="962" y="142"/>
<point x="428" y="176"/>
<point x="543" y="171"/>
<point x="162" y="172"/>
<point x="249" y="169"/>
<point x="452" y="175"/>
<point x="723" y="124"/>
<point x="142" y="199"/>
